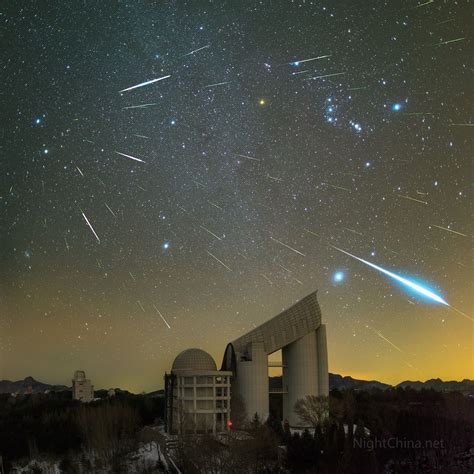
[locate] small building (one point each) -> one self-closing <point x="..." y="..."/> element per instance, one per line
<point x="197" y="395"/>
<point x="82" y="389"/>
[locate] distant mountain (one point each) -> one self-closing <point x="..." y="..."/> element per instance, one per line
<point x="29" y="385"/>
<point x="465" y="386"/>
<point x="156" y="394"/>
<point x="346" y="383"/>
<point x="336" y="381"/>
<point x="340" y="382"/>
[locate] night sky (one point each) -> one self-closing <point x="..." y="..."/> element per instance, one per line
<point x="278" y="131"/>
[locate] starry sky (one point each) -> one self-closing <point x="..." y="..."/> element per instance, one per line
<point x="139" y="221"/>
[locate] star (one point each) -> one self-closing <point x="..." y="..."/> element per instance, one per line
<point x="338" y="277"/>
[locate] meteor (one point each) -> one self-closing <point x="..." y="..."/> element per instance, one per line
<point x="141" y="106"/>
<point x="196" y="50"/>
<point x="266" y="278"/>
<point x="112" y="212"/>
<point x="220" y="261"/>
<point x="142" y="84"/>
<point x="90" y="226"/>
<point x="217" y="84"/>
<point x="301" y="61"/>
<point x="410" y="284"/>
<point x="208" y="231"/>
<point x="450" y="41"/>
<point x="326" y="75"/>
<point x="288" y="247"/>
<point x="247" y="157"/>
<point x="449" y="230"/>
<point x="161" y="316"/>
<point x="131" y="157"/>
<point x="411" y="199"/>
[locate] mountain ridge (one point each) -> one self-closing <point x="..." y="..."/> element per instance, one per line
<point x="336" y="381"/>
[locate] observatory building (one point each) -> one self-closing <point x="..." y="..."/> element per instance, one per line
<point x="197" y="395"/>
<point x="82" y="389"/>
<point x="299" y="334"/>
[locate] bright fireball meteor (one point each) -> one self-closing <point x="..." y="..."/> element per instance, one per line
<point x="414" y="286"/>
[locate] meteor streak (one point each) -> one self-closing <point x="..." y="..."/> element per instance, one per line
<point x="141" y="106"/>
<point x="450" y="41"/>
<point x="220" y="261"/>
<point x="266" y="278"/>
<point x="208" y="231"/>
<point x="131" y="157"/>
<point x="448" y="230"/>
<point x="90" y="226"/>
<point x="300" y="61"/>
<point x="215" y="205"/>
<point x="410" y="284"/>
<point x="326" y="75"/>
<point x="288" y="247"/>
<point x="112" y="212"/>
<point x="247" y="157"/>
<point x="311" y="232"/>
<point x="142" y="136"/>
<point x="196" y="50"/>
<point x="337" y="187"/>
<point x="299" y="72"/>
<point x="142" y="84"/>
<point x="412" y="199"/>
<point x="385" y="339"/>
<point x="79" y="169"/>
<point x="161" y="316"/>
<point x="217" y="84"/>
<point x="423" y="4"/>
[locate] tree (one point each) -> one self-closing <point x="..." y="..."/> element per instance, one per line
<point x="255" y="424"/>
<point x="312" y="410"/>
<point x="238" y="411"/>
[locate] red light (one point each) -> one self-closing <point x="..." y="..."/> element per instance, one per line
<point x="229" y="424"/>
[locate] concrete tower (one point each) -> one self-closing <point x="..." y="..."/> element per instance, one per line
<point x="299" y="334"/>
<point x="82" y="388"/>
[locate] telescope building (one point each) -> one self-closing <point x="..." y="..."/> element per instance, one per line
<point x="299" y="334"/>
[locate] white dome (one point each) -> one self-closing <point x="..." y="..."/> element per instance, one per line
<point x="194" y="359"/>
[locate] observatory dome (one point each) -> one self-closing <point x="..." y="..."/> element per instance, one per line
<point x="194" y="359"/>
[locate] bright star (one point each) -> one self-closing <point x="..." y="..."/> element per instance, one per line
<point x="397" y="107"/>
<point x="166" y="246"/>
<point x="338" y="277"/>
<point x="262" y="102"/>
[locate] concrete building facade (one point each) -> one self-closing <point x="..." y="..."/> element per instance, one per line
<point x="301" y="337"/>
<point x="82" y="388"/>
<point x="197" y="395"/>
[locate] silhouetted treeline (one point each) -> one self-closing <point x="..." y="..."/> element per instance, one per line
<point x="399" y="430"/>
<point x="54" y="424"/>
